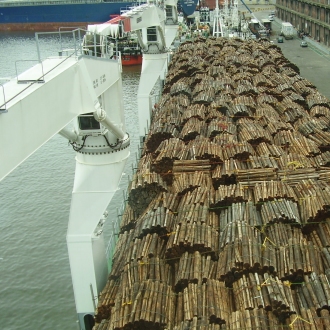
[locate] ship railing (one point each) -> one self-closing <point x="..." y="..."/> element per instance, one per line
<point x="77" y="42"/>
<point x="116" y="220"/>
<point x="40" y="79"/>
<point x="3" y="107"/>
<point x="70" y="41"/>
<point x="114" y="231"/>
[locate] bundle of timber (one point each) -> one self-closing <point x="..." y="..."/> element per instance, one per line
<point x="280" y="210"/>
<point x="270" y="190"/>
<point x="205" y="97"/>
<point x="228" y="220"/>
<point x="273" y="125"/>
<point x="167" y="152"/>
<point x="147" y="306"/>
<point x="106" y="301"/>
<point x="241" y="255"/>
<point x="154" y="220"/>
<point x="321" y="235"/>
<point x="226" y="173"/>
<point x="252" y="132"/>
<point x="193" y="111"/>
<point x="227" y="195"/>
<point x="320" y="112"/>
<point x="160" y="131"/>
<point x="262" y="162"/>
<point x="307" y="126"/>
<point x="191" y="129"/>
<point x="153" y="268"/>
<point x="240" y="150"/>
<point x="128" y="219"/>
<point x="271" y="150"/>
<point x="189" y="181"/>
<point x="211" y="301"/>
<point x="245" y="212"/>
<point x="214" y="113"/>
<point x="227" y="140"/>
<point x="315" y="291"/>
<point x="217" y="126"/>
<point x="192" y="237"/>
<point x="193" y="268"/>
<point x="314" y="199"/>
<point x="201" y="165"/>
<point x="181" y="86"/>
<point x="255" y="291"/>
<point x="203" y="148"/>
<point x="190" y="211"/>
<point x="317" y="99"/>
<point x="129" y="249"/>
<point x="268" y="99"/>
<point x="303" y="87"/>
<point x="145" y="186"/>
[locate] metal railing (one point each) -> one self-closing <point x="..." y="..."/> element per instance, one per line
<point x="3" y="107"/>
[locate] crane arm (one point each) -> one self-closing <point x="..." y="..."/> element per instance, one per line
<point x="37" y="111"/>
<point x="252" y="14"/>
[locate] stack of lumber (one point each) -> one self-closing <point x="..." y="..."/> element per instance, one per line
<point x="228" y="218"/>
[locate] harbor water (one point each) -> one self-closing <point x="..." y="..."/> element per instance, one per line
<point x="35" y="282"/>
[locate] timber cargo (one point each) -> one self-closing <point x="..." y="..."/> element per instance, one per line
<point x="227" y="223"/>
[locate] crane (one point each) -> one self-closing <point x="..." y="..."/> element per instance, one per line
<point x="156" y="27"/>
<point x="252" y="14"/>
<point x="79" y="96"/>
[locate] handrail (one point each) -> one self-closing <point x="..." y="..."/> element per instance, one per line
<point x="3" y="107"/>
<point x="41" y="79"/>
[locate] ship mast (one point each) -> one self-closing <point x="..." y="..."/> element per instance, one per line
<point x="217" y="21"/>
<point x="234" y="14"/>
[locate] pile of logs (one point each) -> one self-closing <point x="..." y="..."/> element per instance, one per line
<point x="228" y="218"/>
<point x="128" y="220"/>
<point x="129" y="249"/>
<point x="252" y="132"/>
<point x="210" y="300"/>
<point x="227" y="195"/>
<point x="158" y="220"/>
<point x="201" y="165"/>
<point x="148" y="305"/>
<point x="253" y="291"/>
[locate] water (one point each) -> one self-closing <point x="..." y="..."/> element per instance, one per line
<point x="35" y="281"/>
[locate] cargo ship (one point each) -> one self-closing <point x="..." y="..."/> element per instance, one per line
<point x="226" y="224"/>
<point x="41" y="15"/>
